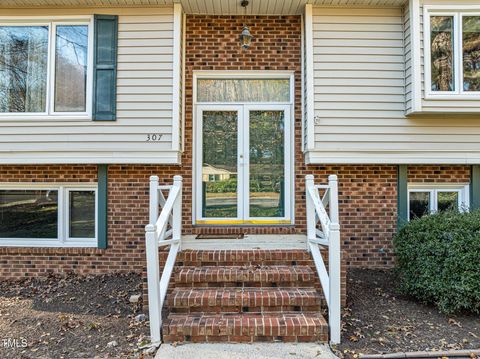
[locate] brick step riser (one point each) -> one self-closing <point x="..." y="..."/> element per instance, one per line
<point x="290" y="284"/>
<point x="258" y="262"/>
<point x="245" y="339"/>
<point x="247" y="309"/>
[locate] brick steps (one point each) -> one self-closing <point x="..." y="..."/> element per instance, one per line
<point x="244" y="296"/>
<point x="243" y="300"/>
<point x="245" y="276"/>
<point x="234" y="328"/>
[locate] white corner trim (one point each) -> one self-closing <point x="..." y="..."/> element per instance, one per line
<point x="415" y="34"/>
<point x="309" y="79"/>
<point x="176" y="75"/>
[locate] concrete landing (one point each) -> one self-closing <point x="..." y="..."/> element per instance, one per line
<point x="249" y="242"/>
<point x="246" y="351"/>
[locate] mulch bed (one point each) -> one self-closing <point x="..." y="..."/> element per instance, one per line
<point x="72" y="317"/>
<point x="378" y="320"/>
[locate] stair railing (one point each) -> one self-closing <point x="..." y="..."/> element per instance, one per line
<point x="326" y="235"/>
<point x="163" y="230"/>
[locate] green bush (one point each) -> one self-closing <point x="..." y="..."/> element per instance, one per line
<point x="438" y="260"/>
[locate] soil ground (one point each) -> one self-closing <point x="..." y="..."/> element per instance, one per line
<point x="378" y="320"/>
<point x="72" y="317"/>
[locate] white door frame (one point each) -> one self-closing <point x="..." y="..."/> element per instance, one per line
<point x="243" y="116"/>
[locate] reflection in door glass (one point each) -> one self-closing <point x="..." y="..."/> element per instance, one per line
<point x="267" y="173"/>
<point x="219" y="167"/>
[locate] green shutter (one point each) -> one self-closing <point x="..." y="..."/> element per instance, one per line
<point x="105" y="67"/>
<point x="102" y="219"/>
<point x="402" y="192"/>
<point x="475" y="187"/>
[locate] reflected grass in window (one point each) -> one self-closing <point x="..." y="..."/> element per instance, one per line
<point x="29" y="214"/>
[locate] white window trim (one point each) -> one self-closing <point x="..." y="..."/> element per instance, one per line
<point x="63" y="239"/>
<point x="52" y="23"/>
<point x="457" y="13"/>
<point x="433" y="188"/>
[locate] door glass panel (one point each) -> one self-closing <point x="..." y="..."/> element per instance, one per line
<point x="267" y="171"/>
<point x="219" y="167"/>
<point x="447" y="201"/>
<point x="419" y="204"/>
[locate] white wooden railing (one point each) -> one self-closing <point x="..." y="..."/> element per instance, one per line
<point x="163" y="230"/>
<point x="326" y="235"/>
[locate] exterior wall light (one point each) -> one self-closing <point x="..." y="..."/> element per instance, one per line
<point x="245" y="37"/>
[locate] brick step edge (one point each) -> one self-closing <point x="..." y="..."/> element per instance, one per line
<point x="245" y="327"/>
<point x="250" y="274"/>
<point x="237" y="299"/>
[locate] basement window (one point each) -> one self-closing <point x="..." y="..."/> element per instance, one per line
<point x="424" y="199"/>
<point x="452" y="52"/>
<point x="44" y="215"/>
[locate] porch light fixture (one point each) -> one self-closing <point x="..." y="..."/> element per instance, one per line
<point x="245" y="37"/>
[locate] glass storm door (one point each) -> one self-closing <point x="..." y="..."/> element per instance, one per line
<point x="243" y="173"/>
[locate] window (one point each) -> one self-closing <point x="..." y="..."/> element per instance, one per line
<point x="424" y="199"/>
<point x="37" y="215"/>
<point x="243" y="90"/>
<point x="452" y="52"/>
<point x="45" y="68"/>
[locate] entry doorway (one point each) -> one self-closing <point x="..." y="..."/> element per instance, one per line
<point x="243" y="153"/>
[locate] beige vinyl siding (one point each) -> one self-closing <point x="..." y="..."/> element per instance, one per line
<point x="408" y="58"/>
<point x="360" y="70"/>
<point x="144" y="102"/>
<point x="432" y="105"/>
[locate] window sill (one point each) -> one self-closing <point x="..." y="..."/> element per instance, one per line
<point x="452" y="97"/>
<point x="28" y="118"/>
<point x="32" y="243"/>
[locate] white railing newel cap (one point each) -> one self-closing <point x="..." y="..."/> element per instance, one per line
<point x="177" y="178"/>
<point x="334" y="226"/>
<point x="333" y="178"/>
<point x="153" y="178"/>
<point x="309" y="177"/>
<point x="150" y="228"/>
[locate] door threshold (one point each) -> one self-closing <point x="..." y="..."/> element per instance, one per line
<point x="240" y="222"/>
<point x="220" y="236"/>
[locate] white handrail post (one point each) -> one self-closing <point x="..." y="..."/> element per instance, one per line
<point x="153" y="281"/>
<point x="311" y="232"/>
<point x="177" y="210"/>
<point x="334" y="264"/>
<point x="153" y="200"/>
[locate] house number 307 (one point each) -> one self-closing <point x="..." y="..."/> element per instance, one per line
<point x="154" y="137"/>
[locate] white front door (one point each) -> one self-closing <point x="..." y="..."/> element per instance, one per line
<point x="243" y="164"/>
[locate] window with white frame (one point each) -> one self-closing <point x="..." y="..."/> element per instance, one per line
<point x="49" y="215"/>
<point x="424" y="199"/>
<point x="452" y="51"/>
<point x="46" y="68"/>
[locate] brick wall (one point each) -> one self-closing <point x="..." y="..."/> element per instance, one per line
<point x="442" y="174"/>
<point x="212" y="43"/>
